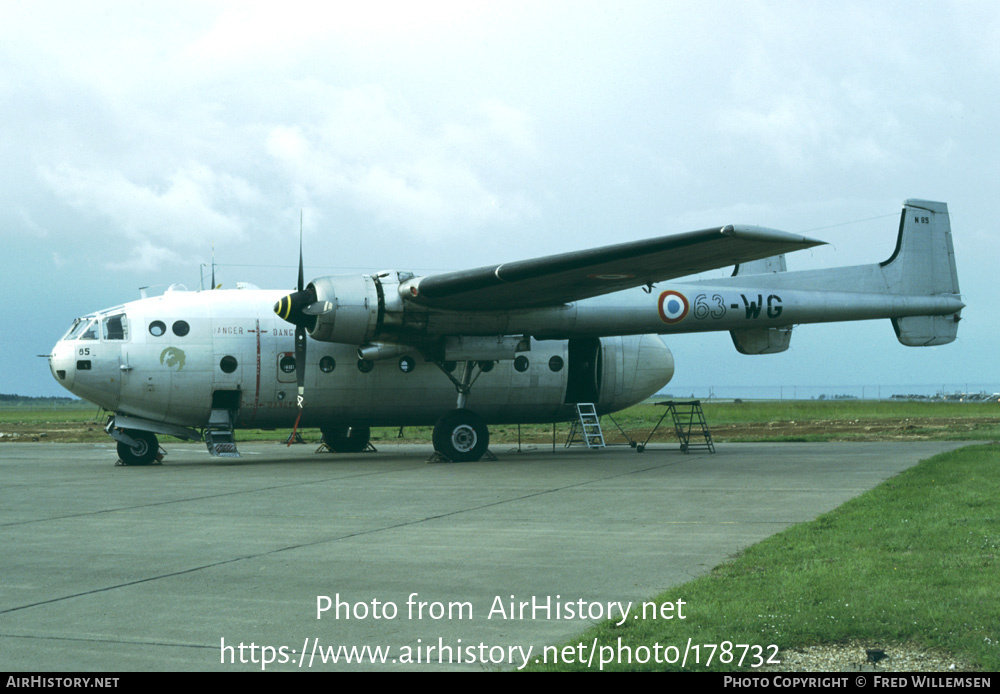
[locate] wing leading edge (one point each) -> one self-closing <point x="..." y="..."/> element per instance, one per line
<point x="566" y="277"/>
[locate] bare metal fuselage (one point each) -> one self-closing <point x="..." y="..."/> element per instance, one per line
<point x="234" y="343"/>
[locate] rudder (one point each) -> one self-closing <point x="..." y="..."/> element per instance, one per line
<point x="924" y="260"/>
<point x="923" y="264"/>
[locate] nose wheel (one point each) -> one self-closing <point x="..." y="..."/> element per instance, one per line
<point x="461" y="436"/>
<point x="142" y="450"/>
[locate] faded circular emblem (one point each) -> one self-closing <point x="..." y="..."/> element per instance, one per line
<point x="173" y="358"/>
<point x="673" y="306"/>
<point x="611" y="276"/>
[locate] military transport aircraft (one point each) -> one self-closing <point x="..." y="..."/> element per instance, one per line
<point x="517" y="342"/>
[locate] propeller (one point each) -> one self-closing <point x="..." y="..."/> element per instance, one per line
<point x="292" y="308"/>
<point x="300" y="308"/>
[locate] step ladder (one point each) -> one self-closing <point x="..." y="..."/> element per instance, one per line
<point x="689" y="423"/>
<point x="587" y="425"/>
<point x="219" y="434"/>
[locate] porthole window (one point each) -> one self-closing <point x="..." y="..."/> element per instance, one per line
<point x="407" y="364"/>
<point x="181" y="328"/>
<point x="327" y="364"/>
<point x="449" y="366"/>
<point x="521" y="363"/>
<point x="365" y="365"/>
<point x="287" y="364"/>
<point x="228" y="364"/>
<point x="157" y="328"/>
<point x="556" y="363"/>
<point x="486" y="366"/>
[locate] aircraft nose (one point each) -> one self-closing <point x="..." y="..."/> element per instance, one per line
<point x="62" y="365"/>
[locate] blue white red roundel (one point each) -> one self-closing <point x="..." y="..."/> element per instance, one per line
<point x="673" y="306"/>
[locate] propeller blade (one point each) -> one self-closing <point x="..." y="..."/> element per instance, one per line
<point x="301" y="301"/>
<point x="300" y="363"/>
<point x="301" y="278"/>
<point x="300" y="376"/>
<point x="300" y="308"/>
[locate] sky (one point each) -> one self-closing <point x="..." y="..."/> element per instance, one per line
<point x="135" y="136"/>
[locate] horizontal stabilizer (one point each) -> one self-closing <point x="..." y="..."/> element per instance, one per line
<point x="926" y="331"/>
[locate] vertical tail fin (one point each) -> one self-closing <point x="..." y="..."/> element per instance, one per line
<point x="923" y="264"/>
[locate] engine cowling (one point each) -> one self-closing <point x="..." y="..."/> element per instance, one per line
<point x="348" y="309"/>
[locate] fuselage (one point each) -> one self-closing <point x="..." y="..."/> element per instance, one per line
<point x="176" y="357"/>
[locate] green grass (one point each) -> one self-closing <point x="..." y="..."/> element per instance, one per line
<point x="915" y="560"/>
<point x="812" y="410"/>
<point x="78" y="411"/>
<point x="979" y="422"/>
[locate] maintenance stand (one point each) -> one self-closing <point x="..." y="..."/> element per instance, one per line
<point x="688" y="418"/>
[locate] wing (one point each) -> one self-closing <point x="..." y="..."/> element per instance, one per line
<point x="566" y="277"/>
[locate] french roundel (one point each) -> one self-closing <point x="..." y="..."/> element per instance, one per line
<point x="673" y="306"/>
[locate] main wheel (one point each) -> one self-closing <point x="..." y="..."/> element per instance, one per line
<point x="347" y="439"/>
<point x="143" y="452"/>
<point x="461" y="436"/>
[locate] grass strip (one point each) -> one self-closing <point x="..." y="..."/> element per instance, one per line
<point x="913" y="561"/>
<point x="760" y="420"/>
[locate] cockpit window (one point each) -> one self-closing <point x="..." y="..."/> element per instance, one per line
<point x="115" y="327"/>
<point x="83" y="329"/>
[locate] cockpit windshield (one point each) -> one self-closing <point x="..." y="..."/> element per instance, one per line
<point x="83" y="329"/>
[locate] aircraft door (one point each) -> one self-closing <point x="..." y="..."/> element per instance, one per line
<point x="233" y="362"/>
<point x="584" y="370"/>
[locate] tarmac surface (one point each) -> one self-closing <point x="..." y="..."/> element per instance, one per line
<point x="110" y="569"/>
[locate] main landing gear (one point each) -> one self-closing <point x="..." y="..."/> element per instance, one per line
<point x="347" y="439"/>
<point x="461" y="435"/>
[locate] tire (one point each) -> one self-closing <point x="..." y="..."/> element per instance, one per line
<point x="461" y="436"/>
<point x="347" y="439"/>
<point x="143" y="452"/>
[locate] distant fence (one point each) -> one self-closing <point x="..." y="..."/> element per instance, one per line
<point x="965" y="392"/>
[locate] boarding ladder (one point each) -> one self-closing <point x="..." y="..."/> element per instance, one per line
<point x="589" y="426"/>
<point x="219" y="434"/>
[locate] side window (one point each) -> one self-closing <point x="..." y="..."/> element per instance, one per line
<point x="116" y="327"/>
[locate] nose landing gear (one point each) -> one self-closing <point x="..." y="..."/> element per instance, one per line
<point x="144" y="448"/>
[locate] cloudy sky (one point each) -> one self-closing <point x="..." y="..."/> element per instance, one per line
<point x="445" y="135"/>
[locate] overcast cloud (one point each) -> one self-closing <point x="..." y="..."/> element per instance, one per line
<point x="426" y="136"/>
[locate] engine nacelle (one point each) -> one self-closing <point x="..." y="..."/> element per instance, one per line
<point x="352" y="309"/>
